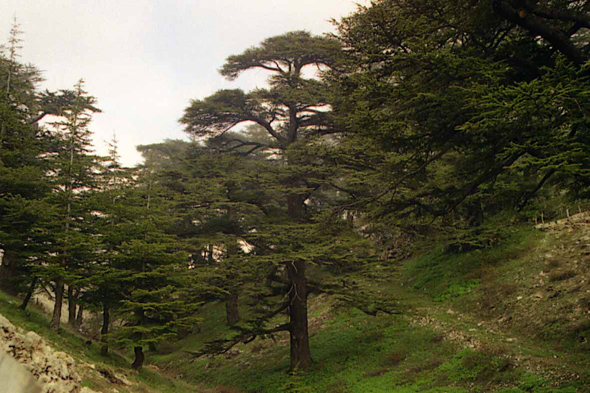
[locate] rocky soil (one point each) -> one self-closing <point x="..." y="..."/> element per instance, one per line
<point x="55" y="372"/>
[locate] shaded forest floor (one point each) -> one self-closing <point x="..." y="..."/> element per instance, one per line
<point x="512" y="318"/>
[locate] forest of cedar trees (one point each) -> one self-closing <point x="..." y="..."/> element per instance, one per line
<point x="442" y="121"/>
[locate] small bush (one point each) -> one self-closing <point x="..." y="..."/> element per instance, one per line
<point x="553" y="264"/>
<point x="376" y="373"/>
<point x="373" y="336"/>
<point x="585" y="302"/>
<point x="425" y="366"/>
<point x="257" y="348"/>
<point x="562" y="275"/>
<point x="457" y="289"/>
<point x="438" y="338"/>
<point x="582" y="326"/>
<point x="475" y="366"/>
<point x="337" y="387"/>
<point x="494" y="294"/>
<point x="552" y="329"/>
<point x="166" y="348"/>
<point x="395" y="358"/>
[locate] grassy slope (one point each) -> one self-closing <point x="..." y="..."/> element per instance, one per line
<point x="474" y="324"/>
<point x="510" y="319"/>
<point x="147" y="381"/>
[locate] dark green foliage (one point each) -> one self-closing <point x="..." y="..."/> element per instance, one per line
<point x="457" y="113"/>
<point x="23" y="186"/>
<point x="289" y="230"/>
<point x="442" y="119"/>
<point x="286" y="54"/>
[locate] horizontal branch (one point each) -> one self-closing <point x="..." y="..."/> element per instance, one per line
<point x="220" y="347"/>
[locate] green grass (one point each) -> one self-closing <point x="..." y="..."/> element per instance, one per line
<point x="385" y="346"/>
<point x="450" y="275"/>
<point x="354" y="352"/>
<point x="357" y="353"/>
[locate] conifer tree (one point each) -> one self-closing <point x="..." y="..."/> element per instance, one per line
<point x="74" y="179"/>
<point x="103" y="280"/>
<point x="22" y="173"/>
<point x="294" y="112"/>
<point x="145" y="267"/>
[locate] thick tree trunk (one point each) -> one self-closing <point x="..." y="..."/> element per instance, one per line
<point x="139" y="358"/>
<point x="300" y="353"/>
<point x="138" y="350"/>
<point x="106" y="317"/>
<point x="232" y="310"/>
<point x="59" y="294"/>
<point x="29" y="295"/>
<point x="71" y="306"/>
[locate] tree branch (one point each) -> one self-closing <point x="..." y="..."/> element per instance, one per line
<point x="534" y="25"/>
<point x="537" y="188"/>
<point x="220" y="347"/>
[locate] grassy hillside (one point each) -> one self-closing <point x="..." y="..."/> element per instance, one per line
<point x="512" y="318"/>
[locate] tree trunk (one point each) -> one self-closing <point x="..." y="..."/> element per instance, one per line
<point x="139" y="358"/>
<point x="8" y="273"/>
<point x="29" y="295"/>
<point x="300" y="353"/>
<point x="71" y="306"/>
<point x="80" y="316"/>
<point x="295" y="206"/>
<point x="232" y="310"/>
<point x="104" y="350"/>
<point x="59" y="294"/>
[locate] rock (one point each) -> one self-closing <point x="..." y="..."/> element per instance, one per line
<point x="32" y="340"/>
<point x="54" y="371"/>
<point x="15" y="378"/>
<point x="5" y="324"/>
<point x="113" y="377"/>
<point x="124" y="380"/>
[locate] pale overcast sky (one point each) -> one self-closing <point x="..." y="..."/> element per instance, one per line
<point x="145" y="59"/>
